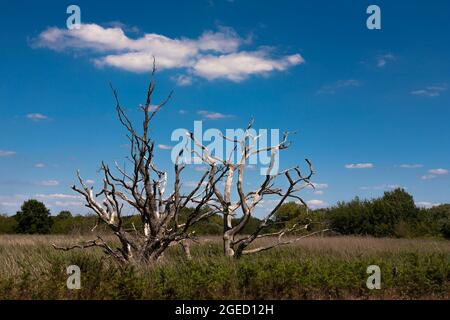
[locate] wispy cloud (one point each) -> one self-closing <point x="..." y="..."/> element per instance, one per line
<point x="438" y="171"/>
<point x="11" y="202"/>
<point x="66" y="204"/>
<point x="338" y="85"/>
<point x="434" y="173"/>
<point x="426" y="204"/>
<point x="213" y="55"/>
<point x="200" y="168"/>
<point x="411" y="166"/>
<point x="359" y="165"/>
<point x="7" y="153"/>
<point x="182" y="80"/>
<point x="430" y="91"/>
<point x="49" y="183"/>
<point x="382" y="187"/>
<point x="382" y="60"/>
<point x="36" y="116"/>
<point x="58" y="196"/>
<point x="55" y="201"/>
<point x="318" y="187"/>
<point x="316" y="203"/>
<point x="193" y="184"/>
<point x="210" y="115"/>
<point x="39" y="165"/>
<point x="164" y="147"/>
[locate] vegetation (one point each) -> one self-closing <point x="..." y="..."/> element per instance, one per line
<point x="33" y="218"/>
<point x="316" y="268"/>
<point x="393" y="215"/>
<point x="8" y="225"/>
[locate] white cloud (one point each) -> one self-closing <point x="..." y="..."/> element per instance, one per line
<point x="193" y="184"/>
<point x="7" y="153"/>
<point x="438" y="171"/>
<point x="39" y="165"/>
<point x="56" y="201"/>
<point x="36" y="116"/>
<point x="426" y="204"/>
<point x="58" y="196"/>
<point x="359" y="165"/>
<point x="200" y="168"/>
<point x="164" y="147"/>
<point x="338" y="85"/>
<point x="182" y="111"/>
<point x="434" y="173"/>
<point x="69" y="204"/>
<point x="315" y="203"/>
<point x="151" y="108"/>
<point x="411" y="166"/>
<point x="9" y="204"/>
<point x="90" y="181"/>
<point x="430" y="91"/>
<point x="183" y="80"/>
<point x="49" y="183"/>
<point x="319" y="186"/>
<point x="213" y="115"/>
<point x="212" y="55"/>
<point x="383" y="187"/>
<point x="382" y="60"/>
<point x="238" y="66"/>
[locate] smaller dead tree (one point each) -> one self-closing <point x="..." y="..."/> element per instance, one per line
<point x="235" y="242"/>
<point x="144" y="188"/>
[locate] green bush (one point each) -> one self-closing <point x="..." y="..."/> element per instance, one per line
<point x="446" y="230"/>
<point x="8" y="225"/>
<point x="394" y="214"/>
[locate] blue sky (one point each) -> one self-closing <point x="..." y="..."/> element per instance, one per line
<point x="371" y="107"/>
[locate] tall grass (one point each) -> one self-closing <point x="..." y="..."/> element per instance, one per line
<point x="316" y="268"/>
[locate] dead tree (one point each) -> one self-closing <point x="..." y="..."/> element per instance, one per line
<point x="234" y="242"/>
<point x="144" y="188"/>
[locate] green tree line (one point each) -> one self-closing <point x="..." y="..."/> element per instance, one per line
<point x="392" y="215"/>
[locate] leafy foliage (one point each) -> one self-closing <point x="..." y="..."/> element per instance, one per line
<point x="34" y="217"/>
<point x="394" y="214"/>
<point x="8" y="225"/>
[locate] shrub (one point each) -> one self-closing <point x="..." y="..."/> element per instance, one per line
<point x="8" y="225"/>
<point x="446" y="230"/>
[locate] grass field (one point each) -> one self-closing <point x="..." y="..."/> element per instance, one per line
<point x="316" y="268"/>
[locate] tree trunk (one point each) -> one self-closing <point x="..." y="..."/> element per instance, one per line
<point x="228" y="244"/>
